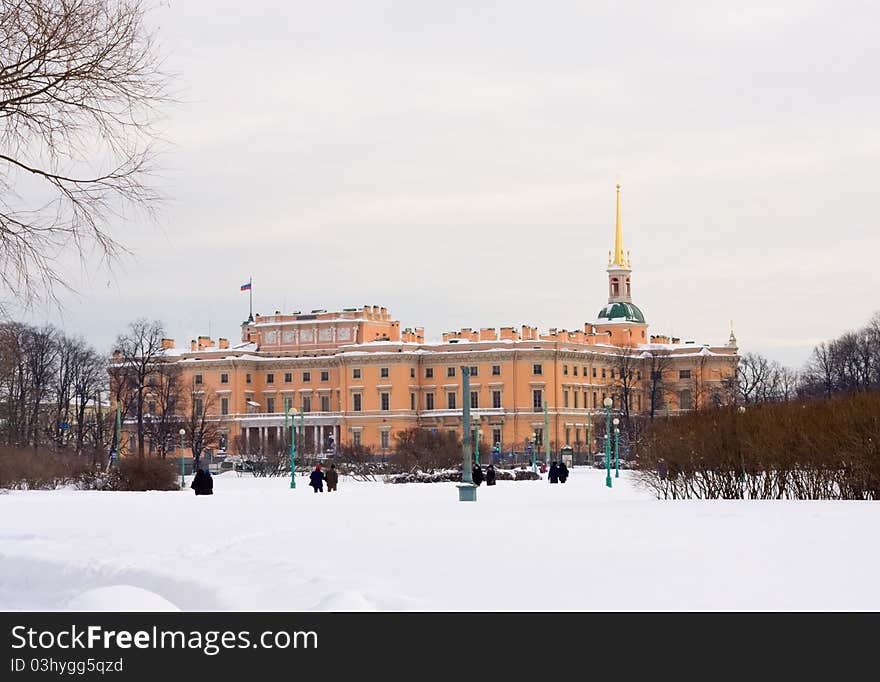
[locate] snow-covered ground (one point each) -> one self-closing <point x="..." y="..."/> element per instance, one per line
<point x="257" y="545"/>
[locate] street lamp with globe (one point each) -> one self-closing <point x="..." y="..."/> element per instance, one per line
<point x="182" y="433"/>
<point x="608" y="402"/>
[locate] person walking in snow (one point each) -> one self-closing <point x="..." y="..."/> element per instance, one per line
<point x="490" y="475"/>
<point x="198" y="482"/>
<point x="316" y="479"/>
<point x="477" y="474"/>
<point x="332" y="478"/>
<point x="553" y="474"/>
<point x="208" y="483"/>
<point x="563" y="473"/>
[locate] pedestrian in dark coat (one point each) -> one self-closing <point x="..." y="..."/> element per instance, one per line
<point x="332" y="478"/>
<point x="208" y="483"/>
<point x="553" y="474"/>
<point x="477" y="474"/>
<point x="490" y="475"/>
<point x="563" y="473"/>
<point x="198" y="482"/>
<point x="316" y="479"/>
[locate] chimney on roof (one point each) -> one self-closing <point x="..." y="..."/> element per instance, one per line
<point x="224" y="343"/>
<point x="167" y="343"/>
<point x="192" y="344"/>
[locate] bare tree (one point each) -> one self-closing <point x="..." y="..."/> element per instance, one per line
<point x="624" y="366"/>
<point x="137" y="353"/>
<point x="164" y="414"/>
<point x="79" y="79"/>
<point x="202" y="428"/>
<point x="660" y="362"/>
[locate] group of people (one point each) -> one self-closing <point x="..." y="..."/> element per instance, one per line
<point x="558" y="473"/>
<point x="477" y="474"/>
<point x="203" y="482"/>
<point x="318" y="476"/>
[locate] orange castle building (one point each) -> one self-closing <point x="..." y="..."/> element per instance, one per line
<point x="354" y="376"/>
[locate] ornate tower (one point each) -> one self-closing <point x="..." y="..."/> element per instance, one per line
<point x="620" y="309"/>
<point x="619" y="269"/>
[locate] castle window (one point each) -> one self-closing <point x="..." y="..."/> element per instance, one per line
<point x="429" y="401"/>
<point x="429" y="372"/>
<point x="685" y="400"/>
<point x="288" y="377"/>
<point x="684" y="374"/>
<point x="537" y="369"/>
<point x="496" y="370"/>
<point x="270" y="379"/>
<point x="224" y="378"/>
<point x="450" y="401"/>
<point x="325" y="376"/>
<point x="450" y="371"/>
<point x="356" y="373"/>
<point x="496" y="399"/>
<point x="383" y="372"/>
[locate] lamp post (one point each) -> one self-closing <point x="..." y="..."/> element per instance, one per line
<point x="292" y="414"/>
<point x="534" y="452"/>
<point x="608" y="403"/>
<point x="467" y="491"/>
<point x="742" y="462"/>
<point x="547" y="435"/>
<point x="616" y="422"/>
<point x="182" y="433"/>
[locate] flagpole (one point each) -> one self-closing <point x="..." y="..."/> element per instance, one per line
<point x="251" y="297"/>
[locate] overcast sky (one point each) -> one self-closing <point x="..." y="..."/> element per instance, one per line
<point x="456" y="162"/>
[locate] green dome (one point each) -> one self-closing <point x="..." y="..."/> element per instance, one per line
<point x="620" y="312"/>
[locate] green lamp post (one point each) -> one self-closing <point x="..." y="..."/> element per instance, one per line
<point x="546" y="435"/>
<point x="302" y="430"/>
<point x="534" y="452"/>
<point x="292" y="414"/>
<point x="608" y="403"/>
<point x="182" y="433"/>
<point x="616" y="422"/>
<point x="467" y="491"/>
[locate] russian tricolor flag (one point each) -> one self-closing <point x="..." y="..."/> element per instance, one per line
<point x="246" y="286"/>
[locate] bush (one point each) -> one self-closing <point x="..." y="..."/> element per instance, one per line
<point x="143" y="473"/>
<point x="454" y="475"/>
<point x="804" y="450"/>
<point x="29" y="469"/>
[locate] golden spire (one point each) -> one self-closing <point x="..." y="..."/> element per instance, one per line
<point x="618" y="236"/>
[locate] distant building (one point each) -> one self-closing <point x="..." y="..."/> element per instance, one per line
<point x="358" y="378"/>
